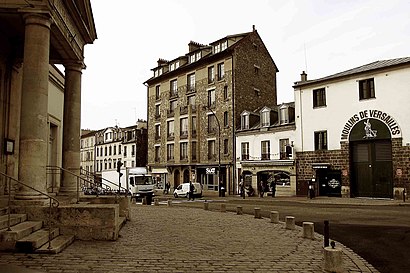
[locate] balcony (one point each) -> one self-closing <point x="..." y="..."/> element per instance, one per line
<point x="265" y="156"/>
<point x="170" y="136"/>
<point x="245" y="156"/>
<point x="184" y="134"/>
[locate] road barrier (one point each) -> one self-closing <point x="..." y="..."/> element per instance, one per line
<point x="274" y="217"/>
<point x="290" y="222"/>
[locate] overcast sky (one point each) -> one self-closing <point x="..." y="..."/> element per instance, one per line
<point x="322" y="37"/>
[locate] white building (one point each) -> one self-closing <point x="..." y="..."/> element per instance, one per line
<point x="264" y="148"/>
<point x="354" y="131"/>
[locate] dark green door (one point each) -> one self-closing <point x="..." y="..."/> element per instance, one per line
<point x="372" y="169"/>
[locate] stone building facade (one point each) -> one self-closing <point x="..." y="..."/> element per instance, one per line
<point x="194" y="106"/>
<point x="264" y="149"/>
<point x="33" y="36"/>
<point x="354" y="131"/>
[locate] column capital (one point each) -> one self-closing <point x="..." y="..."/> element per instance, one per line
<point x="42" y="19"/>
<point x="75" y="66"/>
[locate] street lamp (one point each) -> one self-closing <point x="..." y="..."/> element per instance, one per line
<point x="219" y="149"/>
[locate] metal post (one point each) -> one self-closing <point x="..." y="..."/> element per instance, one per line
<point x="326" y="233"/>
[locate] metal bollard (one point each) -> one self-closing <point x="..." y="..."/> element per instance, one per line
<point x="156" y="202"/>
<point x="308" y="230"/>
<point x="239" y="210"/>
<point x="206" y="205"/>
<point x="290" y="222"/>
<point x="274" y="217"/>
<point x="258" y="213"/>
<point x="169" y="203"/>
<point x="223" y="207"/>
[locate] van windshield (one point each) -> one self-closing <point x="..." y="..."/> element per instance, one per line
<point x="141" y="180"/>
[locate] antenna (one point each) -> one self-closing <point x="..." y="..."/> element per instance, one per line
<point x="306" y="69"/>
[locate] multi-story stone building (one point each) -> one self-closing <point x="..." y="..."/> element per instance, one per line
<point x="129" y="145"/>
<point x="264" y="148"/>
<point x="87" y="159"/>
<point x="354" y="131"/>
<point x="194" y="106"/>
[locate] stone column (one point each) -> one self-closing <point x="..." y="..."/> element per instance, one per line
<point x="71" y="127"/>
<point x="34" y="106"/>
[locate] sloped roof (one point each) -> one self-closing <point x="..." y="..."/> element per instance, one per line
<point x="361" y="69"/>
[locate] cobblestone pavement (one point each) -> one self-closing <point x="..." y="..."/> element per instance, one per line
<point x="179" y="239"/>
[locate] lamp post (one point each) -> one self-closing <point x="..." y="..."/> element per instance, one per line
<point x="219" y="149"/>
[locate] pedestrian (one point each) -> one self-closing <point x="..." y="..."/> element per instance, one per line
<point x="191" y="191"/>
<point x="273" y="187"/>
<point x="261" y="190"/>
<point x="167" y="186"/>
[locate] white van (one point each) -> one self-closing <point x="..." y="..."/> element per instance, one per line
<point x="183" y="190"/>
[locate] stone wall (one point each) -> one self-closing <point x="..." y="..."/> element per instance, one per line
<point x="401" y="167"/>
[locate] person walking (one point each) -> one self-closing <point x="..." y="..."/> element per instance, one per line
<point x="273" y="187"/>
<point x="261" y="189"/>
<point x="191" y="191"/>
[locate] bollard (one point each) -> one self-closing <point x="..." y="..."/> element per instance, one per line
<point x="239" y="210"/>
<point x="326" y="233"/>
<point x="223" y="207"/>
<point x="169" y="203"/>
<point x="258" y="213"/>
<point x="308" y="230"/>
<point x="290" y="222"/>
<point x="156" y="202"/>
<point x="206" y="205"/>
<point x="333" y="261"/>
<point x="274" y="217"/>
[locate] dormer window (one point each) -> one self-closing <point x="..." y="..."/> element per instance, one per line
<point x="224" y="45"/>
<point x="198" y="55"/>
<point x="284" y="114"/>
<point x="172" y="67"/>
<point x="217" y="48"/>
<point x="192" y="58"/>
<point x="265" y="118"/>
<point x="245" y="121"/>
<point x="176" y="64"/>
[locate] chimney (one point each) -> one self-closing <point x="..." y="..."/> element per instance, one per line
<point x="194" y="46"/>
<point x="303" y="76"/>
<point x="161" y="62"/>
<point x="253" y="28"/>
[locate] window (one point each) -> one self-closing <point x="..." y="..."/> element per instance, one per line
<point x="172" y="106"/>
<point x="157" y="92"/>
<point x="184" y="126"/>
<point x="105" y="151"/>
<point x="224" y="45"/>
<point x="211" y="98"/>
<point x="184" y="151"/>
<point x="193" y="126"/>
<point x="172" y="67"/>
<point x="211" y="74"/>
<point x="217" y="48"/>
<point x="245" y="121"/>
<point x="226" y="119"/>
<point x="226" y="146"/>
<point x="191" y="82"/>
<point x="115" y="150"/>
<point x="157" y="131"/>
<point x="133" y="150"/>
<point x="191" y="101"/>
<point x="283" y="143"/>
<point x="119" y="149"/>
<point x="321" y="140"/>
<point x="198" y="55"/>
<point x="265" y="149"/>
<point x="221" y="71"/>
<point x="170" y="128"/>
<point x="225" y="92"/>
<point x="245" y="150"/>
<point x="125" y="150"/>
<point x="284" y="115"/>
<point x="211" y="124"/>
<point x="366" y="89"/>
<point x="157" y="110"/>
<point x="170" y="152"/>
<point x="319" y="97"/>
<point x="265" y="118"/>
<point x="192" y="58"/>
<point x="110" y="150"/>
<point x="157" y="155"/>
<point x="211" y="150"/>
<point x="173" y="88"/>
<point x="193" y="150"/>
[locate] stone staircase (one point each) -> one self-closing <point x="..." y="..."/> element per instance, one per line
<point x="30" y="236"/>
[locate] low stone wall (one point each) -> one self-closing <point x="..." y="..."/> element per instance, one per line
<point x="123" y="201"/>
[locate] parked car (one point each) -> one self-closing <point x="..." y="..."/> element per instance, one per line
<point x="183" y="190"/>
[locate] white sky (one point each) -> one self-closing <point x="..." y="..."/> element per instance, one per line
<point x="322" y="37"/>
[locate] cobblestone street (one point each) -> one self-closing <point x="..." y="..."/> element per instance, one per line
<point x="177" y="239"/>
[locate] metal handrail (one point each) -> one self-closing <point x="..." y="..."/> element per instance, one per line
<point x="53" y="202"/>
<point x="57" y="169"/>
<point x="103" y="181"/>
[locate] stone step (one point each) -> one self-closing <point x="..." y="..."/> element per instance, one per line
<point x="58" y="244"/>
<point x="8" y="238"/>
<point x="14" y="220"/>
<point x="36" y="240"/>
